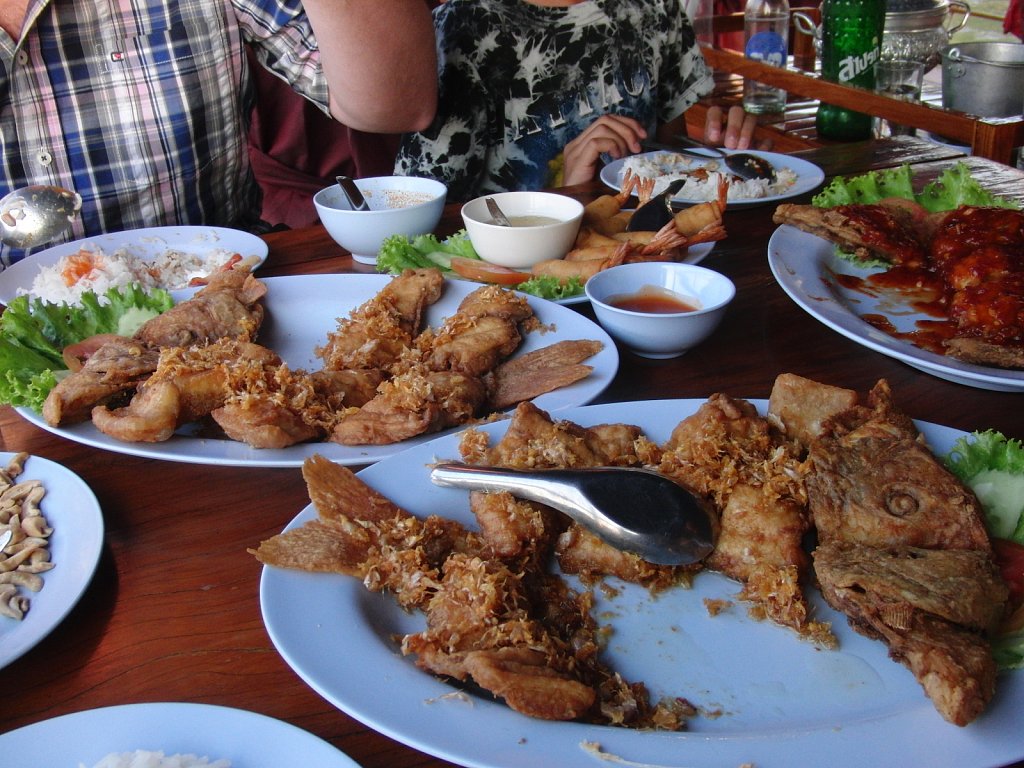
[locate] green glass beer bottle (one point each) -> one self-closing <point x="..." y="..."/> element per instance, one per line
<point x="851" y="42"/>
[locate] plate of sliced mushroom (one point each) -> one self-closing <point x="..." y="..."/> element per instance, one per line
<point x="51" y="532"/>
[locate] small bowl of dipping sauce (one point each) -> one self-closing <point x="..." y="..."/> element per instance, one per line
<point x="659" y="309"/>
<point x="544" y="226"/>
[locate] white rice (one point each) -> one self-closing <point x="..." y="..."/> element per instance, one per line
<point x="666" y="167"/>
<point x="65" y="282"/>
<point x="144" y="759"/>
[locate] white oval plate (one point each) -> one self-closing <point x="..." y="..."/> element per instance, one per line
<point x="808" y="177"/>
<point x="781" y="702"/>
<point x="300" y="312"/>
<point x="147" y="244"/>
<point x="72" y="511"/>
<point x="247" y="739"/>
<point x="808" y="270"/>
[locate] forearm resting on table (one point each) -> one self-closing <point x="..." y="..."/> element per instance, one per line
<point x="380" y="61"/>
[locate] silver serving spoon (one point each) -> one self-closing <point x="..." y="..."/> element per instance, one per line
<point x="743" y="164"/>
<point x="36" y="214"/>
<point x="496" y="213"/>
<point x="635" y="510"/>
<point x="351" y="191"/>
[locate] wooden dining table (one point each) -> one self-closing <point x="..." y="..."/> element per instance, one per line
<point x="172" y="613"/>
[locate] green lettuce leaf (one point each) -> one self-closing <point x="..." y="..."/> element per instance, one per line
<point x="399" y="252"/>
<point x="33" y="334"/>
<point x="993" y="467"/>
<point x="955" y="187"/>
<point x="548" y="287"/>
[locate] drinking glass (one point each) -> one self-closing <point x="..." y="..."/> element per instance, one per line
<point x="898" y="79"/>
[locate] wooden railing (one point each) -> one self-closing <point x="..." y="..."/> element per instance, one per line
<point x="993" y="137"/>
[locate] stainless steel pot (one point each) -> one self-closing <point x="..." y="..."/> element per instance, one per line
<point x="914" y="29"/>
<point x="984" y="79"/>
<point x="919" y="31"/>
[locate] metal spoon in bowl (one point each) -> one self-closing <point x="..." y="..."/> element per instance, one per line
<point x="352" y="193"/>
<point x="36" y="214"/>
<point x="496" y="213"/>
<point x="635" y="510"/>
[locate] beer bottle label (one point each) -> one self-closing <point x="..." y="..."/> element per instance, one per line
<point x="768" y="47"/>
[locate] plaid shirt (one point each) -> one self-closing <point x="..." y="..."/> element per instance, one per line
<point x="142" y="106"/>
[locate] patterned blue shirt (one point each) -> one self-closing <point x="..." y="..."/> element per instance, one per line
<point x="519" y="81"/>
<point x="142" y="106"/>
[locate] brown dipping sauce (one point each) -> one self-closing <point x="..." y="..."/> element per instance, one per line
<point x="653" y="300"/>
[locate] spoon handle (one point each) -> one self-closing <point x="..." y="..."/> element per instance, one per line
<point x="496" y="213"/>
<point x="525" y="484"/>
<point x="355" y="197"/>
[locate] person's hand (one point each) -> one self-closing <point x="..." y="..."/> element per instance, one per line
<point x="613" y="134"/>
<point x="738" y="131"/>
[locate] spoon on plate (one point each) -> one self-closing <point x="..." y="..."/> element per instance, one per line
<point x="744" y="164"/>
<point x="352" y="193"/>
<point x="635" y="510"/>
<point x="36" y="214"/>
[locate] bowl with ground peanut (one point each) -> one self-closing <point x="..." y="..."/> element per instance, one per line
<point x="397" y="205"/>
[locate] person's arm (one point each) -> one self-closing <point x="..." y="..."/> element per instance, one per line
<point x="380" y="61"/>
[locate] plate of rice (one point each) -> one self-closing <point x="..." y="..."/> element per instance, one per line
<point x="168" y="735"/>
<point x="702" y="175"/>
<point x="155" y="257"/>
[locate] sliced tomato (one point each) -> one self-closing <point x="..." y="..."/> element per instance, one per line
<point x="485" y="272"/>
<point x="1009" y="557"/>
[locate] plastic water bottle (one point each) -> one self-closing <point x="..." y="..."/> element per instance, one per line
<point x="766" y="36"/>
<point x="851" y="43"/>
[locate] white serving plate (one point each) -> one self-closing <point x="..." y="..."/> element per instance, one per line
<point x="72" y="511"/>
<point x="809" y="271"/>
<point x="146" y="244"/>
<point x="783" y="702"/>
<point x="808" y="177"/>
<point x="300" y="312"/>
<point x="247" y="739"/>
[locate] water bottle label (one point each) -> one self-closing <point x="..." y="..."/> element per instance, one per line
<point x="768" y="47"/>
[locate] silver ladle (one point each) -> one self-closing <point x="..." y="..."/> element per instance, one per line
<point x="351" y="191"/>
<point x="635" y="510"/>
<point x="36" y="214"/>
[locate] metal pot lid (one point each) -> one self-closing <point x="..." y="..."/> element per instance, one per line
<point x="914" y="15"/>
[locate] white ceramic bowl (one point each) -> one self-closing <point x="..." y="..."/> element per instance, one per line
<point x="660" y="335"/>
<point x="520" y="247"/>
<point x="361" y="232"/>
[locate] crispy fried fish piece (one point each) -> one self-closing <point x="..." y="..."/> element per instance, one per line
<point x="875" y="482"/>
<point x="187" y="384"/>
<point x="903" y="551"/>
<point x="228" y="306"/>
<point x="414" y="403"/>
<point x="542" y="370"/>
<point x="504" y="624"/>
<point x="377" y="333"/>
<point x="731" y="455"/>
<point x="534" y="440"/>
<point x="932" y="609"/>
<point x="469" y="344"/>
<point x="118" y="366"/>
<point x="870" y="232"/>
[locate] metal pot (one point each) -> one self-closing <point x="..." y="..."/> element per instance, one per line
<point x="917" y="29"/>
<point x="984" y="79"/>
<point x="914" y="29"/>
